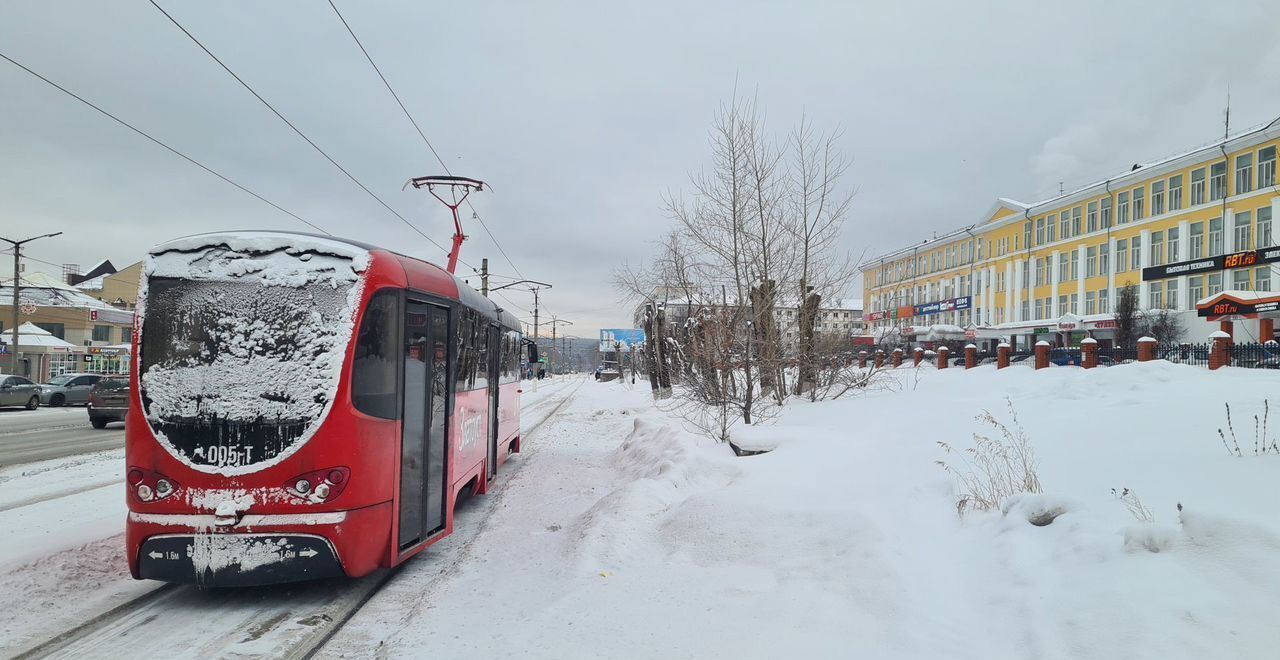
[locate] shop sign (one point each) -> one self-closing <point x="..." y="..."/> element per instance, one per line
<point x="970" y="333"/>
<point x="951" y="304"/>
<point x="1230" y="307"/>
<point x="107" y="350"/>
<point x="876" y="316"/>
<point x="1242" y="259"/>
<point x="1040" y="331"/>
<point x="1105" y="324"/>
<point x="906" y="312"/>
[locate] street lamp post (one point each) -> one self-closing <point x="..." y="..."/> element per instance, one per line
<point x="17" y="273"/>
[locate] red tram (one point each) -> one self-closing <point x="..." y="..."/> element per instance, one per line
<point x="306" y="407"/>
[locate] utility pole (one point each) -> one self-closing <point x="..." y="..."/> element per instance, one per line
<point x="484" y="277"/>
<point x="554" y="321"/>
<point x="17" y="280"/>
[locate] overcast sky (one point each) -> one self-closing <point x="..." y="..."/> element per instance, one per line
<point x="581" y="115"/>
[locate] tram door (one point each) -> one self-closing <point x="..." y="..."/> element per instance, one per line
<point x="424" y="442"/>
<point x="495" y="358"/>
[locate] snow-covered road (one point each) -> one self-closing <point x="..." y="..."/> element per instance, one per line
<point x="64" y="551"/>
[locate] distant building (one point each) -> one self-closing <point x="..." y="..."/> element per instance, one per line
<point x="118" y="288"/>
<point x="840" y="321"/>
<point x="92" y="334"/>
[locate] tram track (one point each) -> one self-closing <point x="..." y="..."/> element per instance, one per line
<point x="292" y="621"/>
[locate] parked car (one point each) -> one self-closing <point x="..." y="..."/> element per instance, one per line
<point x="18" y="391"/>
<point x="68" y="388"/>
<point x="1064" y="357"/>
<point x="108" y="401"/>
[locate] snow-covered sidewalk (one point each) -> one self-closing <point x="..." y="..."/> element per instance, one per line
<point x="625" y="536"/>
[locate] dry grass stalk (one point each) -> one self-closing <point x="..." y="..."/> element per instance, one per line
<point x="994" y="468"/>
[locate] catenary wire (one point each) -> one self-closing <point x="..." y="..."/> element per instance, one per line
<point x="421" y="134"/>
<point x="144" y="134"/>
<point x="291" y="125"/>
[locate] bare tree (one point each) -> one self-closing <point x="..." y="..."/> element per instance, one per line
<point x="1165" y="326"/>
<point x="1128" y="316"/>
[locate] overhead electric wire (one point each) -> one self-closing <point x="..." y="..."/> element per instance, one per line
<point x="290" y="124"/>
<point x="422" y="135"/>
<point x="172" y="150"/>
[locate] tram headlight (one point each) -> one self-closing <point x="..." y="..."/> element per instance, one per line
<point x="319" y="486"/>
<point x="163" y="488"/>
<point x="302" y="486"/>
<point x="144" y="492"/>
<point x="322" y="491"/>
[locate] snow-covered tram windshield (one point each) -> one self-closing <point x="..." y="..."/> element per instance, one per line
<point x="241" y="349"/>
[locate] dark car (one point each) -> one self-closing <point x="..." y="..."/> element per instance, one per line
<point x="1064" y="357"/>
<point x="109" y="401"/>
<point x="18" y="391"/>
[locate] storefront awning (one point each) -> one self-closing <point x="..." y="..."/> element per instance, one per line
<point x="1235" y="305"/>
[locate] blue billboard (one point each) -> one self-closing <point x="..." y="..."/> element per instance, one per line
<point x="625" y="338"/>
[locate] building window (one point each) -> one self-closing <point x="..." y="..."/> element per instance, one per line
<point x="1172" y="243"/>
<point x="1062" y="305"/>
<point x="102" y="333"/>
<point x="1215" y="283"/>
<point x="1217" y="181"/>
<point x="1026" y="234"/>
<point x="1090" y="302"/>
<point x="1240" y="279"/>
<point x="1065" y="229"/>
<point x="1157" y="249"/>
<point x="1092" y="224"/>
<point x="1197" y="187"/>
<point x="58" y="330"/>
<point x="1105" y="212"/>
<point x="124" y="334"/>
<point x="1091" y="262"/>
<point x="1264" y="227"/>
<point x="1175" y="192"/>
<point x="1075" y="265"/>
<point x="1262" y="278"/>
<point x="1195" y="291"/>
<point x="1216" y="246"/>
<point x="1135" y="252"/>
<point x="1243" y="231"/>
<point x="1039" y="231"/>
<point x="1039" y="309"/>
<point x="1170" y="293"/>
<point x="1139" y="202"/>
<point x="1075" y="303"/>
<point x="1267" y="167"/>
<point x="1104" y="258"/>
<point x="1050" y="228"/>
<point x="1103" y="306"/>
<point x="1026" y="310"/>
<point x="1122" y="255"/>
<point x="1063" y="273"/>
<point x="1122" y="208"/>
<point x="1075" y="221"/>
<point x="1244" y="173"/>
<point x="1157" y="197"/>
<point x="1195" y="241"/>
<point x="1155" y="297"/>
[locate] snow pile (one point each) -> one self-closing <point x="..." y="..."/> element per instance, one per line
<point x="844" y="540"/>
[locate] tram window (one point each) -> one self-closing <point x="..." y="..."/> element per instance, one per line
<point x="466" y="350"/>
<point x="481" y="379"/>
<point x="374" y="377"/>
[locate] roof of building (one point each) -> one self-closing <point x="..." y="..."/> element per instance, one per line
<point x="1138" y="171"/>
<point x="44" y="290"/>
<point x="31" y="335"/>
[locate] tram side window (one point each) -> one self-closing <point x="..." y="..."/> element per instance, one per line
<point x="482" y="355"/>
<point x="467" y="350"/>
<point x="374" y="376"/>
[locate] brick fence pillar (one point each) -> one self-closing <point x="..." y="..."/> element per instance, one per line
<point x="1228" y="327"/>
<point x="1089" y="347"/>
<point x="879" y="358"/>
<point x="897" y="358"/>
<point x="1220" y="354"/>
<point x="1002" y="355"/>
<point x="942" y="357"/>
<point x="1147" y="349"/>
<point x="919" y="355"/>
<point x="970" y="356"/>
<point x="862" y="359"/>
<point x="1042" y="354"/>
<point x="1266" y="330"/>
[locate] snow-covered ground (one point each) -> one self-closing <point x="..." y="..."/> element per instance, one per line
<point x="626" y="536"/>
<point x="619" y="533"/>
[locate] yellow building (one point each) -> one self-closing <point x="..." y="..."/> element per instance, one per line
<point x="1051" y="269"/>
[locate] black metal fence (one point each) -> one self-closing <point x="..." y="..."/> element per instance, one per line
<point x="1255" y="356"/>
<point x="1192" y="354"/>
